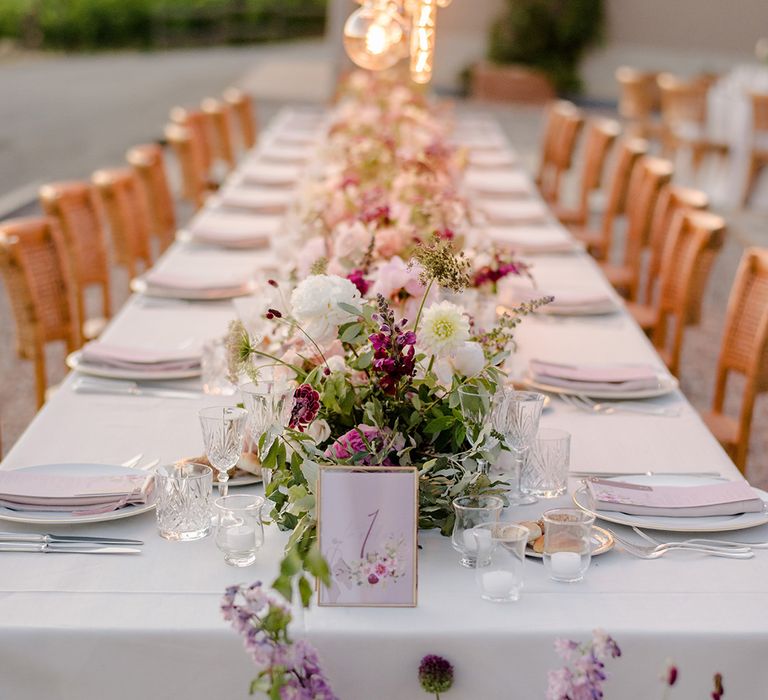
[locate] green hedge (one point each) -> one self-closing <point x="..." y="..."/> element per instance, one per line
<point x="94" y="24"/>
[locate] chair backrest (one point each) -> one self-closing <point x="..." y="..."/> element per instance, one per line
<point x="220" y="125"/>
<point x="600" y="137"/>
<point x="193" y="174"/>
<point x="75" y="208"/>
<point x="672" y="198"/>
<point x="149" y="163"/>
<point x="564" y="122"/>
<point x="245" y="114"/>
<point x="745" y="342"/>
<point x="198" y="126"/>
<point x="128" y="214"/>
<point x="648" y="178"/>
<point x="39" y="282"/>
<point x="759" y="111"/>
<point x="682" y="101"/>
<point x="694" y="240"/>
<point x="638" y="93"/>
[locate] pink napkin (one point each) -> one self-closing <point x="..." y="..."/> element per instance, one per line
<point x="564" y="298"/>
<point x="726" y="498"/>
<point x="532" y="239"/>
<point x="513" y="212"/>
<point x="99" y="353"/>
<point x="587" y="378"/>
<point x="269" y="200"/>
<point x="492" y="159"/>
<point x="242" y="230"/>
<point x="201" y="283"/>
<point x="271" y="174"/>
<point x="499" y="181"/>
<point x="285" y="153"/>
<point x="22" y="491"/>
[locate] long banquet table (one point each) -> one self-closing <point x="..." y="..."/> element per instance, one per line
<point x="149" y="626"/>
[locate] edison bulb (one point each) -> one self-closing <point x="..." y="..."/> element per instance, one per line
<point x="372" y="38"/>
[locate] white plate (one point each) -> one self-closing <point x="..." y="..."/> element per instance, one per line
<point x="712" y="523"/>
<point x="75" y="362"/>
<point x="54" y="518"/>
<point x="139" y="286"/>
<point x="667" y="384"/>
<point x="243" y="480"/>
<point x="186" y="236"/>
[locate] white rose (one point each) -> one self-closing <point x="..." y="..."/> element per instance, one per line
<point x="337" y="364"/>
<point x="315" y="304"/>
<point x="469" y="359"/>
<point x="319" y="431"/>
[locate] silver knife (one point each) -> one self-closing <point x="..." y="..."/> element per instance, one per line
<point x="52" y="539"/>
<point x="583" y="475"/>
<point x="66" y="548"/>
<point x="122" y="388"/>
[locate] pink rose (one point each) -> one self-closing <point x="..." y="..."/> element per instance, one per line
<point x="389" y="242"/>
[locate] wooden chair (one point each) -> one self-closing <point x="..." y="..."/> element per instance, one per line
<point x="198" y="126"/>
<point x="245" y="114"/>
<point x="75" y="208"/>
<point x="564" y="122"/>
<point x="599" y="241"/>
<point x="220" y="125"/>
<point x="758" y="157"/>
<point x="601" y="135"/>
<point x="194" y="176"/>
<point x="40" y="288"/>
<point x="648" y="178"/>
<point x="638" y="101"/>
<point x="684" y="118"/>
<point x="128" y="215"/>
<point x="744" y="351"/>
<point x="149" y="164"/>
<point x="672" y="199"/>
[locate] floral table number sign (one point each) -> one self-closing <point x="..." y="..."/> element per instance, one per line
<point x="367" y="519"/>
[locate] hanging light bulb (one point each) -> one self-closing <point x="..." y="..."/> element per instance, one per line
<point x="423" y="32"/>
<point x="372" y="37"/>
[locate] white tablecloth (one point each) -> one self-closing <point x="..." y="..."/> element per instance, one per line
<point x="86" y="628"/>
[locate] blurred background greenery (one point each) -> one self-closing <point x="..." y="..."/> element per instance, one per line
<point x="105" y="24"/>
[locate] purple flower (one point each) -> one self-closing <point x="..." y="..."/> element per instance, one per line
<point x="583" y="675"/>
<point x="435" y="674"/>
<point x="393" y="349"/>
<point x="358" y="279"/>
<point x="671" y="678"/>
<point x="306" y="404"/>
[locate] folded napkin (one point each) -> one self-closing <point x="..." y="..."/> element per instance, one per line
<point x="296" y="136"/>
<point x="125" y="357"/>
<point x="532" y="239"/>
<point x="499" y="181"/>
<point x="89" y="494"/>
<point x="285" y="153"/>
<point x="513" y="212"/>
<point x="271" y="174"/>
<point x="241" y="230"/>
<point x="603" y="378"/>
<point x="566" y="299"/>
<point x="267" y="200"/>
<point x="168" y="281"/>
<point x="492" y="159"/>
<point x="726" y="498"/>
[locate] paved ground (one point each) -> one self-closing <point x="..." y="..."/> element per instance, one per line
<point x="69" y="117"/>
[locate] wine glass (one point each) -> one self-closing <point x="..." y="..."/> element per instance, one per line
<point x="476" y="405"/>
<point x="223" y="435"/>
<point x="269" y="406"/>
<point x="516" y="416"/>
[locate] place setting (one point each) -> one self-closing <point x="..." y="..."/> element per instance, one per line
<point x="230" y="230"/>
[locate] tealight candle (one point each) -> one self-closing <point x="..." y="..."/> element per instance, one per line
<point x="241" y="538"/>
<point x="565" y="564"/>
<point x="498" y="584"/>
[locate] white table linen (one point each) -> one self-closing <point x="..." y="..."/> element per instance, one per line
<point x="77" y="627"/>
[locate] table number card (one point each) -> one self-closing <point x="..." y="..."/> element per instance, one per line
<point x="367" y="521"/>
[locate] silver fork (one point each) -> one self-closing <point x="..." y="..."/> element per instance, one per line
<point x="706" y="541"/>
<point x="609" y="408"/>
<point x="654" y="552"/>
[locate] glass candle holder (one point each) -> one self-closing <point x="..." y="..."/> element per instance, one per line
<point x="502" y="580"/>
<point x="239" y="531"/>
<point x="546" y="472"/>
<point x="214" y="369"/>
<point x="471" y="511"/>
<point x="567" y="543"/>
<point x="183" y="501"/>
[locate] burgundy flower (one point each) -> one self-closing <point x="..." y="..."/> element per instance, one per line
<point x="393" y="349"/>
<point x="671" y="675"/>
<point x="306" y="404"/>
<point x="719" y="691"/>
<point x="358" y="279"/>
<point x="373" y="579"/>
<point x="435" y="674"/>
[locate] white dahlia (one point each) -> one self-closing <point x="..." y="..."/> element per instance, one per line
<point x="444" y="328"/>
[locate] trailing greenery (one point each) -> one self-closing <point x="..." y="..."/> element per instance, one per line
<point x="98" y="24"/>
<point x="551" y="35"/>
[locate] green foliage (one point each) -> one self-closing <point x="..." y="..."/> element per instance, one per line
<point x="95" y="24"/>
<point x="551" y="35"/>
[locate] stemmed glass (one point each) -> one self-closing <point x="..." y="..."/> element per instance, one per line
<point x="269" y="406"/>
<point x="476" y="406"/>
<point x="223" y="435"/>
<point x="516" y="416"/>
